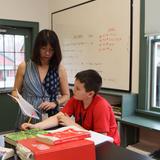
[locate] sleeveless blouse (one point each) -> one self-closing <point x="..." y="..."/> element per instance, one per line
<point x="36" y="92"/>
<point x="52" y="85"/>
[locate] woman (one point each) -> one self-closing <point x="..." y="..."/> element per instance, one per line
<point x="42" y="81"/>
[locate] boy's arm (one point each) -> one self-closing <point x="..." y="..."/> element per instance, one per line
<point x="65" y="120"/>
<point x="46" y="124"/>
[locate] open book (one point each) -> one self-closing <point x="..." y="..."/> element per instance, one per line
<point x="26" y="108"/>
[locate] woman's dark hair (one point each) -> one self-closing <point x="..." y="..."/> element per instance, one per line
<point x="44" y="38"/>
<point x="91" y="79"/>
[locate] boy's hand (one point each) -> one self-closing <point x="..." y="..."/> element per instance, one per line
<point x="65" y="120"/>
<point x="26" y="126"/>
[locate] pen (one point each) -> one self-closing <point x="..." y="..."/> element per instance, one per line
<point x="29" y="120"/>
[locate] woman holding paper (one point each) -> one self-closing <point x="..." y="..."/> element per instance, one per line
<point x="42" y="81"/>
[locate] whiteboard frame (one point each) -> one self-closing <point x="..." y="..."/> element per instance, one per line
<point x="131" y="39"/>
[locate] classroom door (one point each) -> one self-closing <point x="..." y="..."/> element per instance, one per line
<point x="15" y="47"/>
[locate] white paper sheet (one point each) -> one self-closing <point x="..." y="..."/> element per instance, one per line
<point x="26" y="108"/>
<point x="99" y="138"/>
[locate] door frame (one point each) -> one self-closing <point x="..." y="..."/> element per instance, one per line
<point x="9" y="109"/>
<point x="32" y="26"/>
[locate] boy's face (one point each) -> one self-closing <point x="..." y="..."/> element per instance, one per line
<point x="79" y="91"/>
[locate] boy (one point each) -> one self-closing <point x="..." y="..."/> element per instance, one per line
<point x="91" y="111"/>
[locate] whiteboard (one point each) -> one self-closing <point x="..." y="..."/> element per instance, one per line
<point x="96" y="35"/>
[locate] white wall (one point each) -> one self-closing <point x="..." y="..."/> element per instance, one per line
<point x="56" y="5"/>
<point x="26" y="10"/>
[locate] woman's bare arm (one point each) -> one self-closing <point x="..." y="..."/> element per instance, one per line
<point x="64" y="87"/>
<point x="19" y="79"/>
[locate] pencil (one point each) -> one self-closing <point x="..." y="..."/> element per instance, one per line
<point x="29" y="120"/>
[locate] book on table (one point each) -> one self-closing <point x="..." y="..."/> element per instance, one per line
<point x="67" y="135"/>
<point x="12" y="138"/>
<point x="71" y="133"/>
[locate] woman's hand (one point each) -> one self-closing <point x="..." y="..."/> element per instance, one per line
<point x="45" y="106"/>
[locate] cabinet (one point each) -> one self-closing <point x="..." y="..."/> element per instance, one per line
<point x="126" y="104"/>
<point x="123" y="103"/>
<point x="132" y="128"/>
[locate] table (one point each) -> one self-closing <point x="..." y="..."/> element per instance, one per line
<point x="109" y="151"/>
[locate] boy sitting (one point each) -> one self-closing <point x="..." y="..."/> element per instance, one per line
<point x="91" y="111"/>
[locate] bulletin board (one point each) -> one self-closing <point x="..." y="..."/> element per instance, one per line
<point x="97" y="35"/>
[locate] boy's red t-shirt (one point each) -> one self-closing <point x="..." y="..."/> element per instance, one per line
<point x="98" y="117"/>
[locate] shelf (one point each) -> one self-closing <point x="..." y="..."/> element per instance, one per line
<point x="140" y="148"/>
<point x="124" y="103"/>
<point x="148" y="142"/>
<point x="142" y="122"/>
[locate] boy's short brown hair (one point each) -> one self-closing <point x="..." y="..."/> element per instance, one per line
<point x="91" y="79"/>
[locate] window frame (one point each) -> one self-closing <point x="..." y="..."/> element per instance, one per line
<point x="33" y="29"/>
<point x="144" y="98"/>
<point x="152" y="52"/>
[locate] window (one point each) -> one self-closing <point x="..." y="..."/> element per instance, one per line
<point x="16" y="39"/>
<point x="155" y="72"/>
<point x="11" y="55"/>
<point x="149" y="83"/>
<point x="149" y="68"/>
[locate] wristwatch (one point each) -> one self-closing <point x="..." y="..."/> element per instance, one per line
<point x="56" y="102"/>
